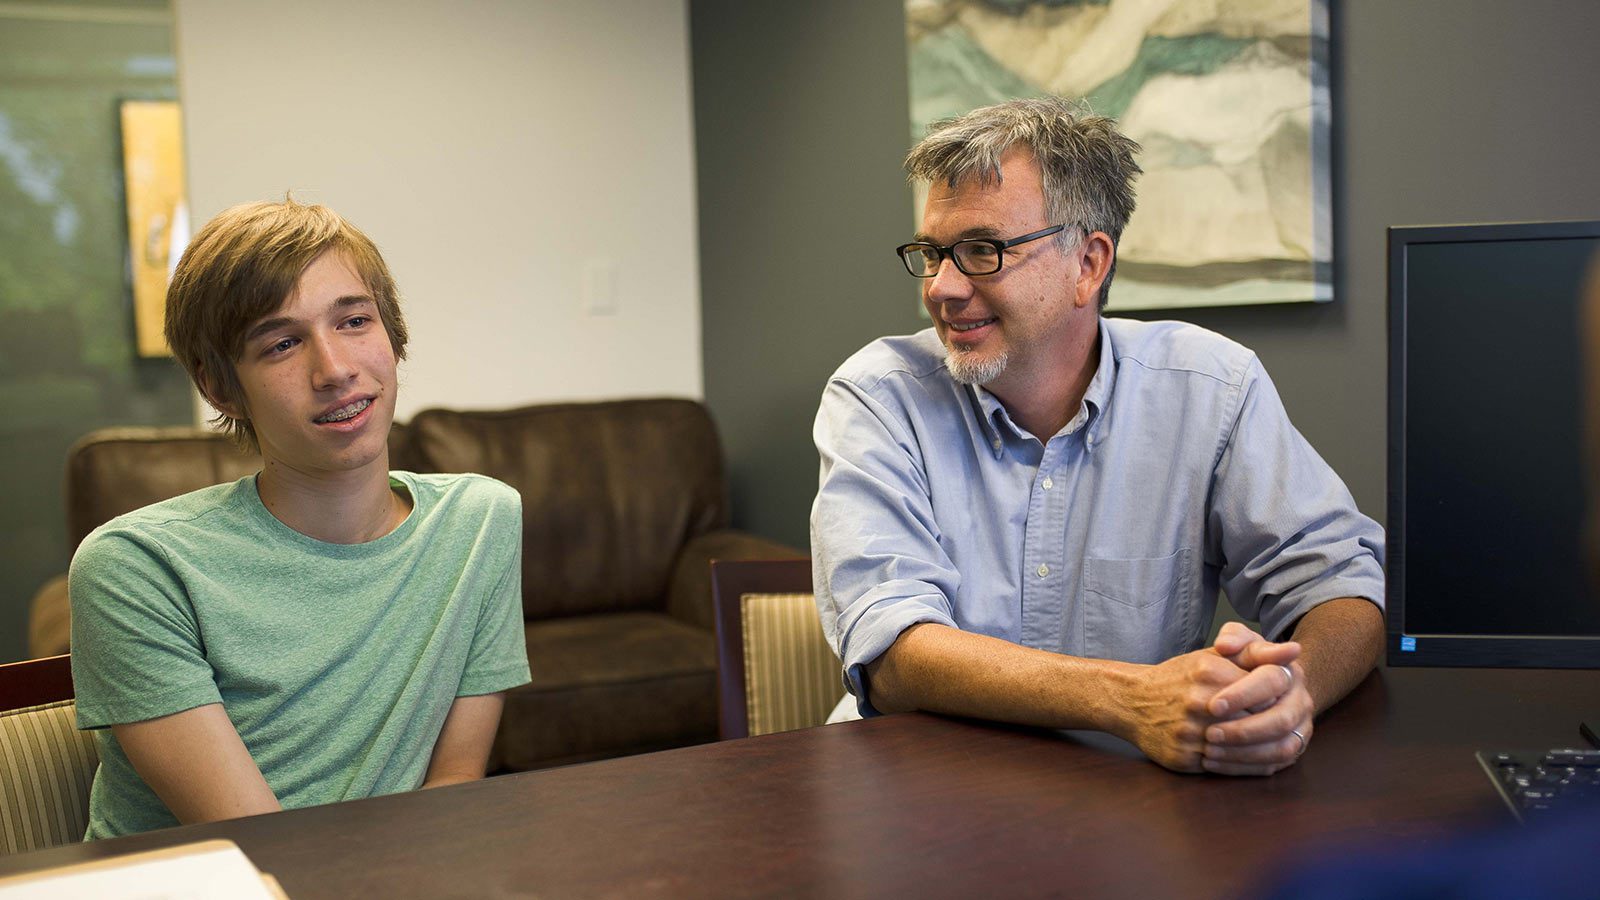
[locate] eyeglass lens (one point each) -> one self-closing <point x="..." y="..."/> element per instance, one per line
<point x="973" y="257"/>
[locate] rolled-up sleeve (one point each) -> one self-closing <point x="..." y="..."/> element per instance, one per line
<point x="1282" y="525"/>
<point x="877" y="562"/>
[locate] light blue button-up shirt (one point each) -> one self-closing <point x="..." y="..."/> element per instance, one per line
<point x="1179" y="474"/>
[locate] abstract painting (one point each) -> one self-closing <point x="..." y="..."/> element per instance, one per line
<point x="1229" y="99"/>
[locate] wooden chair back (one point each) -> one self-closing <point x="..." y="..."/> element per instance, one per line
<point x="46" y="764"/>
<point x="775" y="671"/>
<point x="35" y="682"/>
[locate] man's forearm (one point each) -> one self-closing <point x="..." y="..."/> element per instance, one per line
<point x="1340" y="642"/>
<point x="1162" y="709"/>
<point x="941" y="669"/>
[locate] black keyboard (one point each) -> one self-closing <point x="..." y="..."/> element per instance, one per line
<point x="1536" y="784"/>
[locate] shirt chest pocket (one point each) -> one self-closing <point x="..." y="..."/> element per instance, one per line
<point x="1139" y="610"/>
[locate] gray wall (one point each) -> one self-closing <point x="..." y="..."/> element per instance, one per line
<point x="1445" y="111"/>
<point x="800" y="126"/>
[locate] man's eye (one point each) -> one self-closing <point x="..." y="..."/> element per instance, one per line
<point x="282" y="346"/>
<point x="979" y="251"/>
<point x="357" y="321"/>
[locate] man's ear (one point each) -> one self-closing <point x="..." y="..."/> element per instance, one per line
<point x="208" y="390"/>
<point x="1094" y="264"/>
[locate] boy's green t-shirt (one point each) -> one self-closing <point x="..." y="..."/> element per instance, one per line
<point x="336" y="662"/>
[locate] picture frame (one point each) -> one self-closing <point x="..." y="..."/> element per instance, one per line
<point x="1229" y="101"/>
<point x="157" y="212"/>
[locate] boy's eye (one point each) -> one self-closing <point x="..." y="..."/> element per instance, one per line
<point x="357" y="321"/>
<point x="282" y="346"/>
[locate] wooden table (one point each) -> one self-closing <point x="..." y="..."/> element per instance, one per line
<point x="922" y="806"/>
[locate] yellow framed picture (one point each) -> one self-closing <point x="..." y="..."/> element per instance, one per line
<point x="158" y="214"/>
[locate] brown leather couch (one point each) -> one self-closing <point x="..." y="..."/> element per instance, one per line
<point x="624" y="506"/>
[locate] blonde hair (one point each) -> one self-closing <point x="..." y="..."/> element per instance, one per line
<point x="240" y="268"/>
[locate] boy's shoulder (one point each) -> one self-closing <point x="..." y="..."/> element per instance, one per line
<point x="212" y="508"/>
<point x="143" y="558"/>
<point x="466" y="494"/>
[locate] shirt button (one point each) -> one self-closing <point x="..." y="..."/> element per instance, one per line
<point x="1048" y="484"/>
<point x="997" y="443"/>
<point x="1043" y="570"/>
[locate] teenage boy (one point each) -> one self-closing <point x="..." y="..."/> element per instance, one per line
<point x="325" y="629"/>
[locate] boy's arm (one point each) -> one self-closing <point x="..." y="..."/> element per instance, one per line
<point x="198" y="766"/>
<point x="462" y="751"/>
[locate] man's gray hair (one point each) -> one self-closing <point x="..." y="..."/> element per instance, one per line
<point x="1085" y="164"/>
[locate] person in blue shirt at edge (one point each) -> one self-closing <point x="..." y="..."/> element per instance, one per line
<point x="325" y="629"/>
<point x="1026" y="511"/>
<point x="1548" y="858"/>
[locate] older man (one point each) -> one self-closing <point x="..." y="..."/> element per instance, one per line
<point x="1027" y="510"/>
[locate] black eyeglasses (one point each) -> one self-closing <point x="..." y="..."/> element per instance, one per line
<point x="973" y="256"/>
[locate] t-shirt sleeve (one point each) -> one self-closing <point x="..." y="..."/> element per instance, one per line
<point x="498" y="659"/>
<point x="137" y="650"/>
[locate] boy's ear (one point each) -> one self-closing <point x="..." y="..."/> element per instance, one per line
<point x="208" y="390"/>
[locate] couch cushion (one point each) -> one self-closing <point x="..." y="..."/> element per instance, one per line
<point x="609" y="684"/>
<point x="610" y="492"/>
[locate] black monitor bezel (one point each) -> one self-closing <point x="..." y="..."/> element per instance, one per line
<point x="1496" y="651"/>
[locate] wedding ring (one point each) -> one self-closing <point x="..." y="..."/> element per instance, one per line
<point x="1302" y="742"/>
<point x="1289" y="672"/>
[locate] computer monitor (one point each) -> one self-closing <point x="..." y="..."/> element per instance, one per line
<point x="1486" y="565"/>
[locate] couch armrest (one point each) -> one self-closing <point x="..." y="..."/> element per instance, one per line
<point x="50" y="619"/>
<point x="689" y="592"/>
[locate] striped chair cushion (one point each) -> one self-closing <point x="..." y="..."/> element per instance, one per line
<point x="791" y="677"/>
<point x="46" y="766"/>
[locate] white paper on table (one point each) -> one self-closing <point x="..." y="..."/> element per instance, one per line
<point x="198" y="871"/>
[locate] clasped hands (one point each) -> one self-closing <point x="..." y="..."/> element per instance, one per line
<point x="1232" y="708"/>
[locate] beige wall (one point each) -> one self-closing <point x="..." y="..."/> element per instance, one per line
<point x="496" y="150"/>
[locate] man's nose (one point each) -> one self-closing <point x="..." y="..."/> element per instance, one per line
<point x="949" y="282"/>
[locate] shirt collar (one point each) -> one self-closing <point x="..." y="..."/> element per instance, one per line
<point x="994" y="419"/>
<point x="998" y="426"/>
<point x="1098" y="396"/>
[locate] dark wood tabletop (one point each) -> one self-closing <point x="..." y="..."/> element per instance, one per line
<point x="919" y="805"/>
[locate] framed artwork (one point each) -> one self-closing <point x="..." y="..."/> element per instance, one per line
<point x="158" y="217"/>
<point x="1228" y="98"/>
